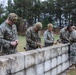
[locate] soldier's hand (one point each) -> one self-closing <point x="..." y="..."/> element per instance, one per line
<point x="55" y="42"/>
<point x="14" y="43"/>
<point x="39" y="45"/>
<point x="59" y="41"/>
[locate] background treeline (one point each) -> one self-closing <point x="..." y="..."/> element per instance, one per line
<point x="58" y="12"/>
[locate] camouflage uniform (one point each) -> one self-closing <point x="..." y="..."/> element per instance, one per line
<point x="73" y="47"/>
<point x="48" y="38"/>
<point x="64" y="35"/>
<point x="32" y="38"/>
<point x="8" y="33"/>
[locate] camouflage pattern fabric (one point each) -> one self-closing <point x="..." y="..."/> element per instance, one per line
<point x="64" y="35"/>
<point x="13" y="17"/>
<point x="32" y="38"/>
<point x="7" y="35"/>
<point x="73" y="47"/>
<point x="48" y="38"/>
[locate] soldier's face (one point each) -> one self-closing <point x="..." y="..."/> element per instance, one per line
<point x="70" y="29"/>
<point x="13" y="22"/>
<point x="50" y="29"/>
<point x="37" y="29"/>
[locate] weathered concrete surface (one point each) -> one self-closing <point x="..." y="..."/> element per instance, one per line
<point x="31" y="71"/>
<point x="45" y="61"/>
<point x="40" y="69"/>
<point x="47" y="65"/>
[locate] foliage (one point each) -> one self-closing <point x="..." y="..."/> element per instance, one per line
<point x="60" y="12"/>
<point x="45" y="22"/>
<point x="1" y="12"/>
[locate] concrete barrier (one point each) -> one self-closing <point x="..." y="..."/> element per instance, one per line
<point x="44" y="61"/>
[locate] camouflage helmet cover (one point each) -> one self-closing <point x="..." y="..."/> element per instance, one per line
<point x="38" y="25"/>
<point x="12" y="17"/>
<point x="50" y="25"/>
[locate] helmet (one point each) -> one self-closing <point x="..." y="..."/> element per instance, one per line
<point x="50" y="25"/>
<point x="38" y="25"/>
<point x="12" y="17"/>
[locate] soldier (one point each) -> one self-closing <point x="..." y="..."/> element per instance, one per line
<point x="33" y="40"/>
<point x="8" y="35"/>
<point x="72" y="39"/>
<point x="64" y="35"/>
<point x="49" y="36"/>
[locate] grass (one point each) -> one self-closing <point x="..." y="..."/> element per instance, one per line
<point x="21" y="44"/>
<point x="72" y="72"/>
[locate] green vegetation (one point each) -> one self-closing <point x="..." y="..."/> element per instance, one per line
<point x="21" y="44"/>
<point x="53" y="11"/>
<point x="72" y="72"/>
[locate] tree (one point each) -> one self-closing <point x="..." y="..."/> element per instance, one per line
<point x="49" y="10"/>
<point x="1" y="12"/>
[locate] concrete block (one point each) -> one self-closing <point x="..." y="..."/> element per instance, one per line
<point x="59" y="50"/>
<point x="39" y="57"/>
<point x="67" y="64"/>
<point x="31" y="71"/>
<point x="47" y="54"/>
<point x="63" y="58"/>
<point x="3" y="66"/>
<point x="51" y="53"/>
<point x="67" y="48"/>
<point x="63" y="66"/>
<point x="54" y="62"/>
<point x="47" y="65"/>
<point x="59" y="69"/>
<point x="29" y="59"/>
<point x="54" y="71"/>
<point x="54" y="52"/>
<point x="67" y="56"/>
<point x="48" y="73"/>
<point x="20" y="73"/>
<point x="59" y="60"/>
<point x="41" y="74"/>
<point x="17" y="62"/>
<point x="64" y="49"/>
<point x="40" y="69"/>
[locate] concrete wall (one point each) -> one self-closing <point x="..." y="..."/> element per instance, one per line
<point x="46" y="61"/>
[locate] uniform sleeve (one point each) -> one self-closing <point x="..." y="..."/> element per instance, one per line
<point x="15" y="32"/>
<point x="29" y="39"/>
<point x="60" y="36"/>
<point x="4" y="42"/>
<point x="46" y="39"/>
<point x="39" y="38"/>
<point x="73" y="36"/>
